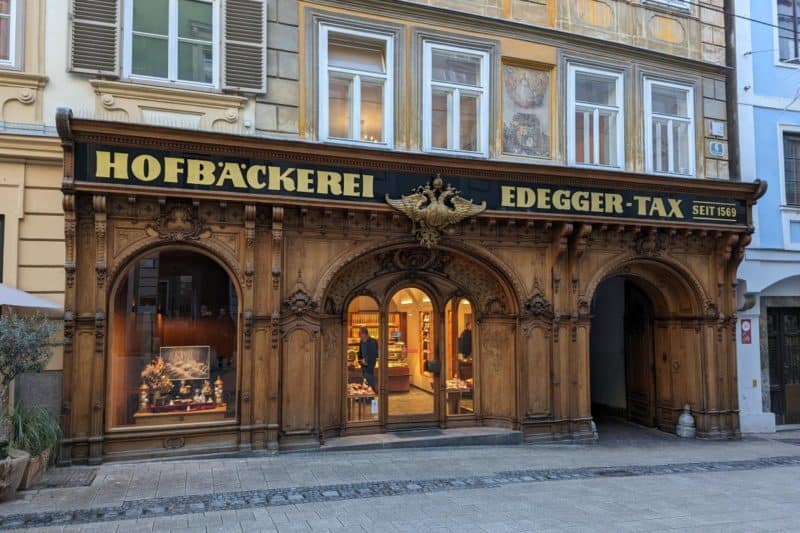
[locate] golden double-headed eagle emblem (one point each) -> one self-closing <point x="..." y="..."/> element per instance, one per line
<point x="432" y="207"/>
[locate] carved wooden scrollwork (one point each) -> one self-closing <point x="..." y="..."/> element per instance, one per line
<point x="100" y="227"/>
<point x="277" y="245"/>
<point x="250" y="225"/>
<point x="650" y="243"/>
<point x="481" y="284"/>
<point x="99" y="333"/>
<point x="275" y="327"/>
<point x="248" y="328"/>
<point x="537" y="312"/>
<point x="299" y="301"/>
<point x="178" y="223"/>
<point x="70" y="228"/>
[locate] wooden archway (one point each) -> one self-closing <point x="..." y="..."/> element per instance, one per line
<point x="683" y="333"/>
<point x="446" y="272"/>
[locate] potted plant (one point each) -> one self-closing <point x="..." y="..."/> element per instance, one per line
<point x="24" y="347"/>
<point x="34" y="430"/>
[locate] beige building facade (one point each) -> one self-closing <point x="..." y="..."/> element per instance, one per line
<point x="626" y="88"/>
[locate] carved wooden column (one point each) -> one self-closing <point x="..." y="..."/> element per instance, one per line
<point x="561" y="324"/>
<point x="580" y="393"/>
<point x="274" y="364"/>
<point x="98" y="367"/>
<point x="246" y="358"/>
<point x="70" y="239"/>
<point x="262" y="350"/>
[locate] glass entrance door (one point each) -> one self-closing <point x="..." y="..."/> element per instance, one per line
<point x="459" y="361"/>
<point x="411" y="355"/>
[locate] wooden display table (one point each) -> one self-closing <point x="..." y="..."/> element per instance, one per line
<point x="398" y="380"/>
<point x="360" y="404"/>
<point x="177" y="417"/>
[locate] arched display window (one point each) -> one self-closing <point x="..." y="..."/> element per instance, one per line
<point x="174" y="342"/>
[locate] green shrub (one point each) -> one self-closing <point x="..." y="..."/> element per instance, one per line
<point x="24" y="347"/>
<point x="34" y="430"/>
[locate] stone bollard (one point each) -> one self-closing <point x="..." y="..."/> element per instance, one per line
<point x="685" y="427"/>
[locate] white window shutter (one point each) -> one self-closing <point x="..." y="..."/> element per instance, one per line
<point x="94" y="37"/>
<point x="245" y="45"/>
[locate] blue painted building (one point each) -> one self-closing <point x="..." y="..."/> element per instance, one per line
<point x="768" y="337"/>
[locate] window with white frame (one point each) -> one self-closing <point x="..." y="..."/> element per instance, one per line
<point x="173" y="40"/>
<point x="669" y="128"/>
<point x="684" y="5"/>
<point x="455" y="99"/>
<point x="356" y="98"/>
<point x="595" y="125"/>
<point x="791" y="168"/>
<point x="789" y="30"/>
<point x="8" y="32"/>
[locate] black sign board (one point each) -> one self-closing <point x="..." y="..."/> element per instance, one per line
<point x="168" y="170"/>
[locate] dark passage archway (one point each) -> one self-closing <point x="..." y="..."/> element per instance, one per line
<point x="623" y="372"/>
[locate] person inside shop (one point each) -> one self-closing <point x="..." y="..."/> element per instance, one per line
<point x="465" y="352"/>
<point x="465" y="342"/>
<point x="367" y="356"/>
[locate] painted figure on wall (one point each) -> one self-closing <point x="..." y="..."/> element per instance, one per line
<point x="526" y="111"/>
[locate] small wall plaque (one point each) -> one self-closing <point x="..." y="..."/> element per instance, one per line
<point x="716" y="149"/>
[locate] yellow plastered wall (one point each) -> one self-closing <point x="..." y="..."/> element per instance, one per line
<point x="509" y="49"/>
<point x="30" y="200"/>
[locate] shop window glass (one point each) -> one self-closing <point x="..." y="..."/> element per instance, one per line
<point x="174" y="40"/>
<point x="363" y="360"/>
<point x="355" y="86"/>
<point x="174" y="346"/>
<point x="460" y="345"/>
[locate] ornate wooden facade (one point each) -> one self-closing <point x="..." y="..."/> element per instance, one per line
<point x="297" y="262"/>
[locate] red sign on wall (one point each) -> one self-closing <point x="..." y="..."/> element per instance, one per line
<point x="747" y="337"/>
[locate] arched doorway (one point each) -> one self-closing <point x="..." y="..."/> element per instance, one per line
<point x="651" y="333"/>
<point x="622" y="359"/>
<point x="423" y="310"/>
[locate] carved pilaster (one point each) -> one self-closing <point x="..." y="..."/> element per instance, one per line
<point x="250" y="225"/>
<point x="70" y="228"/>
<point x="248" y="328"/>
<point x="277" y="245"/>
<point x="100" y="230"/>
<point x="275" y="326"/>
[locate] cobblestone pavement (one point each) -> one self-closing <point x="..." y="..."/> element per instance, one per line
<point x="632" y="481"/>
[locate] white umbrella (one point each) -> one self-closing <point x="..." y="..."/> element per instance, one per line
<point x="17" y="298"/>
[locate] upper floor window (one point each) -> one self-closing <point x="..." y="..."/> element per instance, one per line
<point x="789" y="30"/>
<point x="8" y="32"/>
<point x="684" y="5"/>
<point x="595" y="124"/>
<point x="173" y="40"/>
<point x="791" y="168"/>
<point x="455" y="99"/>
<point x="355" y="86"/>
<point x="669" y="128"/>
